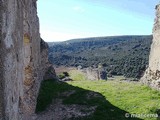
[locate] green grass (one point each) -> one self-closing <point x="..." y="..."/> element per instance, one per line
<point x="115" y="97"/>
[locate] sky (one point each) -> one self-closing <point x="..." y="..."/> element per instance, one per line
<point x="62" y="20"/>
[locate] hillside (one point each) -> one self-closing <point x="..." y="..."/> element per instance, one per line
<point x="121" y="55"/>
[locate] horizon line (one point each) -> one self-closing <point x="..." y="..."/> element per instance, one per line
<point x="96" y="37"/>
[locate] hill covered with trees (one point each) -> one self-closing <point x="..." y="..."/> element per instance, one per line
<point x="121" y="55"/>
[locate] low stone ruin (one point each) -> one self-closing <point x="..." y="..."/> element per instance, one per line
<point x="95" y="73"/>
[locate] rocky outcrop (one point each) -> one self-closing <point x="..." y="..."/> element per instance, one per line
<point x="21" y="65"/>
<point x="152" y="74"/>
<point x="46" y="66"/>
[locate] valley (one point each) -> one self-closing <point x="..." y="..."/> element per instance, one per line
<point x="120" y="55"/>
<point x="114" y="76"/>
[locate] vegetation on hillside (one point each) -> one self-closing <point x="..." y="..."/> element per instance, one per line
<point x="121" y="55"/>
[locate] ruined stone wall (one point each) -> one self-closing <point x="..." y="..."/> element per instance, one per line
<point x="20" y="60"/>
<point x="152" y="74"/>
<point x="92" y="74"/>
<point x="95" y="73"/>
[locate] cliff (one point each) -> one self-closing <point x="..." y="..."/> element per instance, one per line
<point x="152" y="74"/>
<point x="22" y="62"/>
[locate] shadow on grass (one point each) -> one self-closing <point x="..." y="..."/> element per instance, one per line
<point x="104" y="110"/>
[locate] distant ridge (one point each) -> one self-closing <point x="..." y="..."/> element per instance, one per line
<point x="122" y="55"/>
<point x="91" y="38"/>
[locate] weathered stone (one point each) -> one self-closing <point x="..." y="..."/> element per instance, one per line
<point x="66" y="79"/>
<point x="22" y="66"/>
<point x="95" y="73"/>
<point x="103" y="74"/>
<point x="92" y="74"/>
<point x="152" y="74"/>
<point x="47" y="67"/>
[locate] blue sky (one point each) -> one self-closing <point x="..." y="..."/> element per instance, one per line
<point x="62" y="20"/>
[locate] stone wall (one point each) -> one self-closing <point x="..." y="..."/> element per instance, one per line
<point x="152" y="74"/>
<point x="92" y="74"/>
<point x="95" y="73"/>
<point x="21" y="69"/>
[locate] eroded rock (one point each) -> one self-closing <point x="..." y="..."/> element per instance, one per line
<point x="21" y="68"/>
<point x="152" y="74"/>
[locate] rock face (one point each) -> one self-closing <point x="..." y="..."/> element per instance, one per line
<point x="21" y="64"/>
<point x="47" y="67"/>
<point x="152" y="74"/>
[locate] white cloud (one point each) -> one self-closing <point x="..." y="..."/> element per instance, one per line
<point x="79" y="9"/>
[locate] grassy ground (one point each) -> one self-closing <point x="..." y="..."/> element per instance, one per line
<point x="113" y="98"/>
